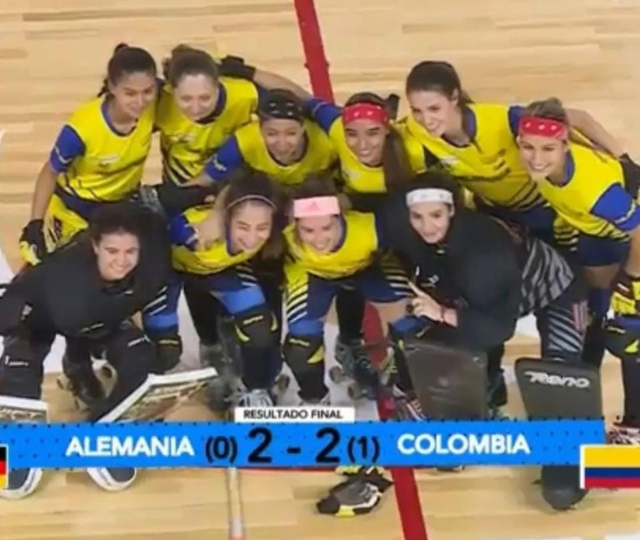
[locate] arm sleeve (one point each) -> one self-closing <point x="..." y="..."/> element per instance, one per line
<point x="323" y="112"/>
<point x="68" y="146"/>
<point x="515" y="113"/>
<point x="368" y="202"/>
<point x="492" y="297"/>
<point x="227" y="159"/>
<point x="617" y="207"/>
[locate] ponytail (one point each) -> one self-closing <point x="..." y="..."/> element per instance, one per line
<point x="186" y="60"/>
<point x="125" y="61"/>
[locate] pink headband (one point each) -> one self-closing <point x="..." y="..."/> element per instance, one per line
<point x="316" y="206"/>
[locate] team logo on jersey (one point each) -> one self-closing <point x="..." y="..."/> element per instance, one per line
<point x="183" y="138"/>
<point x="106" y="161"/>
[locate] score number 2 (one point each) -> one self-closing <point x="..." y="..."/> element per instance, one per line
<point x="265" y="438"/>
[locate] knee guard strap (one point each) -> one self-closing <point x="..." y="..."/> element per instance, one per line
<point x="305" y="357"/>
<point x="257" y="327"/>
<point x="258" y="332"/>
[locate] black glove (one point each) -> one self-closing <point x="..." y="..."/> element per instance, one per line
<point x="631" y="172"/>
<point x="169" y="199"/>
<point x="33" y="247"/>
<point x="13" y="310"/>
<point x="234" y="66"/>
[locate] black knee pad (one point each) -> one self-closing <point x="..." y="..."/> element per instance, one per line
<point x="305" y="357"/>
<point x="257" y="328"/>
<point x="22" y="367"/>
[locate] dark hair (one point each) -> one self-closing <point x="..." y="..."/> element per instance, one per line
<point x="553" y="109"/>
<point x="186" y="60"/>
<point x="437" y="180"/>
<point x="247" y="184"/>
<point x="317" y="184"/>
<point x="436" y="76"/>
<point x="280" y="103"/>
<point x="395" y="160"/>
<point x="125" y="61"/>
<point x="441" y="77"/>
<point x="121" y="217"/>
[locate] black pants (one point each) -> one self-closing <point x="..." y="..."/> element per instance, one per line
<point x="127" y="349"/>
<point x="562" y="325"/>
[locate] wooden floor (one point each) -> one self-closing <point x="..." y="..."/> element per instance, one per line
<point x="53" y="54"/>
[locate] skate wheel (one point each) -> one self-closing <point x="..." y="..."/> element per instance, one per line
<point x="107" y="371"/>
<point x="336" y="375"/>
<point x="354" y="392"/>
<point x="282" y="383"/>
<point x="218" y="394"/>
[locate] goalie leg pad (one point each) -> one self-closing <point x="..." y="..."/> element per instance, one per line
<point x="449" y="382"/>
<point x="553" y="389"/>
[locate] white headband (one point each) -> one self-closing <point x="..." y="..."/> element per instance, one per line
<point x="429" y="195"/>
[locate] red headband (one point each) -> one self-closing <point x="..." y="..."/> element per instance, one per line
<point x="369" y="111"/>
<point x="544" y="127"/>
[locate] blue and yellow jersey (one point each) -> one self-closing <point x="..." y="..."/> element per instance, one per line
<point x="94" y="161"/>
<point x="490" y="165"/>
<point x="187" y="144"/>
<point x="358" y="177"/>
<point x="247" y="147"/>
<point x="216" y="258"/>
<point x="359" y="242"/>
<point x="593" y="199"/>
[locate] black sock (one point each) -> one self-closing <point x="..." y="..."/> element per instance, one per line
<point x="350" y="310"/>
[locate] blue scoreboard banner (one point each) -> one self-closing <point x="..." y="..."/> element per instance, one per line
<point x="287" y="445"/>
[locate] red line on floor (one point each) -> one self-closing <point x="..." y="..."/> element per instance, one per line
<point x="407" y="496"/>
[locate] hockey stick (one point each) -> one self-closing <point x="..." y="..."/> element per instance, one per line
<point x="236" y="522"/>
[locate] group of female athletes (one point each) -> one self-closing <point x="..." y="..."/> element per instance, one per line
<point x="455" y="220"/>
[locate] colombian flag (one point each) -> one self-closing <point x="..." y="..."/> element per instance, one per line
<point x="610" y="466"/>
<point x="3" y="467"/>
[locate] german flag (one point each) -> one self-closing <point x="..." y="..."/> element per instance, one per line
<point x="4" y="469"/>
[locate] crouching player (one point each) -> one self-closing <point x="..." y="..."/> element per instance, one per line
<point x="328" y="250"/>
<point x="88" y="292"/>
<point x="247" y="211"/>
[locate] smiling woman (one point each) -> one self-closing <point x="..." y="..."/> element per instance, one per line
<point x="98" y="157"/>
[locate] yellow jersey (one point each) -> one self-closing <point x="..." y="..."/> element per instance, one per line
<point x="216" y="258"/>
<point x="186" y="144"/>
<point x="358" y="177"/>
<point x="593" y="199"/>
<point x="247" y="147"/>
<point x="490" y="165"/>
<point x="354" y="252"/>
<point x="93" y="161"/>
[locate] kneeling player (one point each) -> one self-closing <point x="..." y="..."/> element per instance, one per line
<point x="477" y="278"/>
<point x="87" y="292"/>
<point x="329" y="250"/>
<point x="221" y="269"/>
